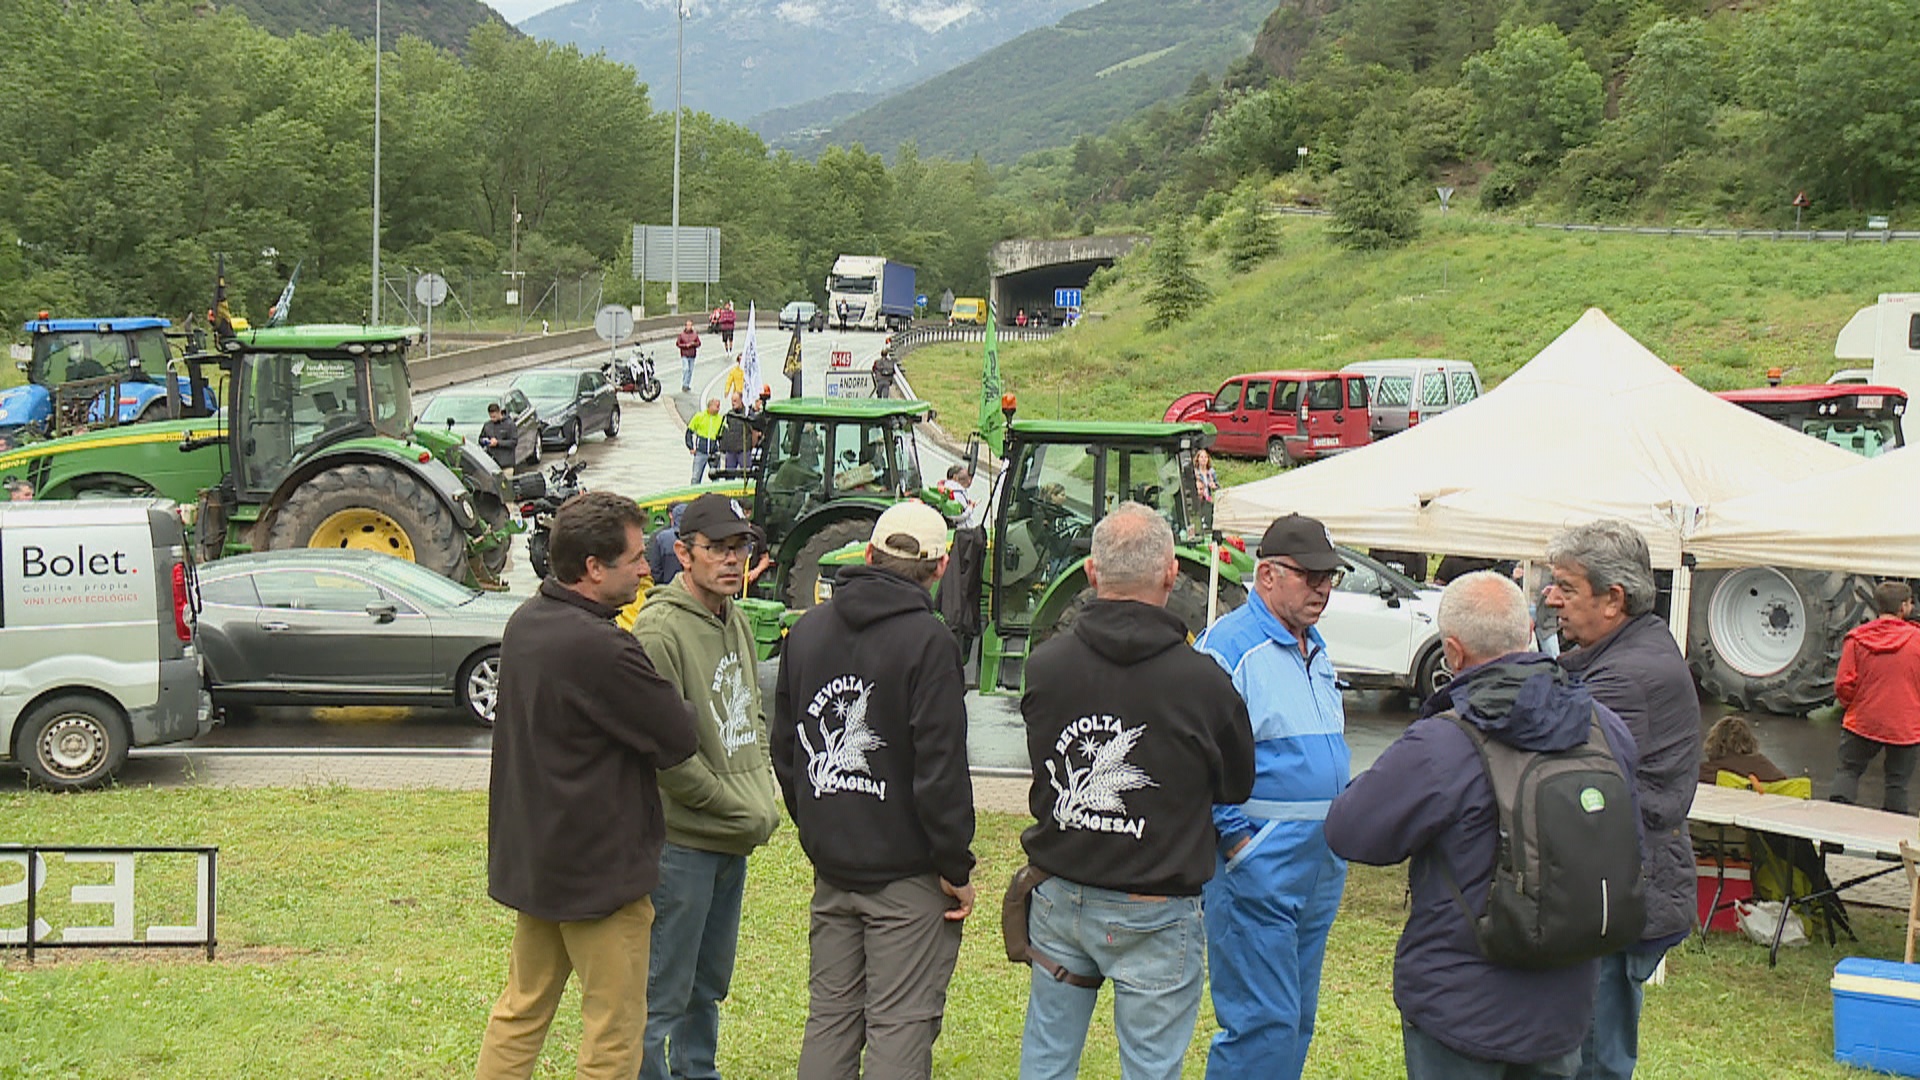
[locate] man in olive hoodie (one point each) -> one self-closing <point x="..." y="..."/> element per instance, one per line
<point x="720" y="804"/>
<point x="870" y="744"/>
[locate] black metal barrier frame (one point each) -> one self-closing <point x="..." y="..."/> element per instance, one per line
<point x="210" y="856"/>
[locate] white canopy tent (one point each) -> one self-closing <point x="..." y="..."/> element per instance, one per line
<point x="1594" y="426"/>
<point x="1864" y="520"/>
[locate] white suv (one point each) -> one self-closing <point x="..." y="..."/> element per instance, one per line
<point x="1383" y="630"/>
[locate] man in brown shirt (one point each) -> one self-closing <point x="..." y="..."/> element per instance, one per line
<point x="574" y="824"/>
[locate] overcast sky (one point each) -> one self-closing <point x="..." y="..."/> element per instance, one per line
<point x="516" y="10"/>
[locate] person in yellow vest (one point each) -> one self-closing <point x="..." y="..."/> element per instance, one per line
<point x="703" y="433"/>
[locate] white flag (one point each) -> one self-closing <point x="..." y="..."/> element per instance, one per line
<point x="750" y="359"/>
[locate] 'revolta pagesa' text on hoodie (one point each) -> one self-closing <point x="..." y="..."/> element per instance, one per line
<point x="870" y="736"/>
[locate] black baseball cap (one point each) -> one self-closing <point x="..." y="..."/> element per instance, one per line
<point x="715" y="517"/>
<point x="1304" y="540"/>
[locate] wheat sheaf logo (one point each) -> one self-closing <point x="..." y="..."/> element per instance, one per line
<point x="1088" y="796"/>
<point x="732" y="705"/>
<point x="840" y="764"/>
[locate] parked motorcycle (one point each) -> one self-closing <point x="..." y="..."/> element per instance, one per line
<point x="540" y="498"/>
<point x="633" y="374"/>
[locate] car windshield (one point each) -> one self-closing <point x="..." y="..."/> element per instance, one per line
<point x="547" y="384"/>
<point x="422" y="584"/>
<point x="460" y="408"/>
<point x="1868" y="438"/>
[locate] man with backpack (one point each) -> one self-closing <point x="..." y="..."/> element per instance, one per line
<point x="1488" y="988"/>
<point x="1603" y="592"/>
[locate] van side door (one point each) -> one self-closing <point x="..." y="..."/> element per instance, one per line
<point x="1229" y="419"/>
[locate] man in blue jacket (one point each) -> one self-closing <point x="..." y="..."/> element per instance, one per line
<point x="1428" y="798"/>
<point x="1272" y="901"/>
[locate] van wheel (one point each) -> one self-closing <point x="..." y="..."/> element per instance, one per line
<point x="479" y="685"/>
<point x="1277" y="455"/>
<point x="73" y="742"/>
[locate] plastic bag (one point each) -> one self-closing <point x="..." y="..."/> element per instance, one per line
<point x="1758" y="919"/>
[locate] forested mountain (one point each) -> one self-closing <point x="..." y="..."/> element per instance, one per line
<point x="445" y="23"/>
<point x="745" y="57"/>
<point x="1055" y="83"/>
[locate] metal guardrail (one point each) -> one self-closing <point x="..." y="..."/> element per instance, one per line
<point x="909" y="340"/>
<point x="1876" y="236"/>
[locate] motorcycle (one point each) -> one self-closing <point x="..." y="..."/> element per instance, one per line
<point x="633" y="374"/>
<point x="540" y="498"/>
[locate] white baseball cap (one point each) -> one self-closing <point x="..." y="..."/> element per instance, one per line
<point x="911" y="530"/>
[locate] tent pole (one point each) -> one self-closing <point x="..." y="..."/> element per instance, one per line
<point x="1213" y="578"/>
<point x="1679" y="609"/>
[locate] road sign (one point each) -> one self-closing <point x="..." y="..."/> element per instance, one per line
<point x="840" y="358"/>
<point x="1876" y="222"/>
<point x="920" y="300"/>
<point x="1446" y="195"/>
<point x="1068" y="298"/>
<point x="430" y="290"/>
<point x="613" y="323"/>
<point x="849" y="384"/>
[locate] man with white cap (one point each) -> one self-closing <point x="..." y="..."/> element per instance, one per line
<point x="1271" y="903"/>
<point x="869" y="741"/>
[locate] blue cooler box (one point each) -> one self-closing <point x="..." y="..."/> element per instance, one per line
<point x="1876" y="1015"/>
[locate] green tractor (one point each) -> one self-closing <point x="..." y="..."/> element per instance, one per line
<point x="827" y="469"/>
<point x="1060" y="479"/>
<point x="315" y="448"/>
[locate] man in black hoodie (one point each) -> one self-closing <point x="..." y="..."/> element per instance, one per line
<point x="869" y="741"/>
<point x="1427" y="797"/>
<point x="1133" y="736"/>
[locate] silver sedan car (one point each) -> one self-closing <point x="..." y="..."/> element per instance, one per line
<point x="325" y="627"/>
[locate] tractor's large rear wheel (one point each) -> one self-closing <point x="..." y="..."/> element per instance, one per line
<point x="806" y="565"/>
<point x="1767" y="638"/>
<point x="372" y="507"/>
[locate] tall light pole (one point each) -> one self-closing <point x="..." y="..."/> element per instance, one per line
<point x="679" y="66"/>
<point x="374" y="311"/>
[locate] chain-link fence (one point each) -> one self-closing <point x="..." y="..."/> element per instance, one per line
<point x="492" y="299"/>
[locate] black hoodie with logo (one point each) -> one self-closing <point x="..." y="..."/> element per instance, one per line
<point x="869" y="736"/>
<point x="1133" y="737"/>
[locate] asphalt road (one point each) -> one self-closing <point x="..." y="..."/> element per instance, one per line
<point x="649" y="457"/>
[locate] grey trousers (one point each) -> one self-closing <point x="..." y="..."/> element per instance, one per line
<point x="1856" y="751"/>
<point x="881" y="962"/>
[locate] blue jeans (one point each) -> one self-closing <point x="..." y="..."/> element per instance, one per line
<point x="1267" y="916"/>
<point x="696" y="927"/>
<point x="686" y="372"/>
<point x="1149" y="948"/>
<point x="1613" y="1039"/>
<point x="1429" y="1059"/>
<point x="702" y="456"/>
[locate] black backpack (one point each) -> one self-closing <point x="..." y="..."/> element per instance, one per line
<point x="1566" y="875"/>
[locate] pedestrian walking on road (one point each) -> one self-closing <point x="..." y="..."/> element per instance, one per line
<point x="870" y="746"/>
<point x="1132" y="737"/>
<point x="736" y="436"/>
<point x="703" y="438"/>
<point x="1428" y="798"/>
<point x="736" y="381"/>
<point x="726" y="322"/>
<point x="840" y="312"/>
<point x="689" y="345"/>
<point x="720" y="803"/>
<point x="884" y="370"/>
<point x="1603" y="592"/>
<point x="1879" y="683"/>
<point x="1277" y="885"/>
<point x="499" y="437"/>
<point x="574" y="819"/>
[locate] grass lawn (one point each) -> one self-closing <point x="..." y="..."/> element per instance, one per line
<point x="358" y="941"/>
<point x="1723" y="310"/>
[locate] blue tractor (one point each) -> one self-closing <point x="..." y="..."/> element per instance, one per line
<point x="94" y="373"/>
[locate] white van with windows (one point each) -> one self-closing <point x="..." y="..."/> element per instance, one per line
<point x="1404" y="392"/>
<point x="96" y="636"/>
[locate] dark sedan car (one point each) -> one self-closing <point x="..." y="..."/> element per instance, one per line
<point x="571" y="402"/>
<point x="464" y="412"/>
<point x="324" y="627"/>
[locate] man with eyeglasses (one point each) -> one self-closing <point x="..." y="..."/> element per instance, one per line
<point x="720" y="803"/>
<point x="1277" y="887"/>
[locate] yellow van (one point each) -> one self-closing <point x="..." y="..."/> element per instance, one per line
<point x="968" y="309"/>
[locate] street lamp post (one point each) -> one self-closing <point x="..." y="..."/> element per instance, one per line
<point x="679" y="65"/>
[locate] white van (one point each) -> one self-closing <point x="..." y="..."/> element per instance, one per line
<point x="1401" y="393"/>
<point x="96" y="636"/>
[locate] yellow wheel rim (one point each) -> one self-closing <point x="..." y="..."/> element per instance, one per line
<point x="363" y="529"/>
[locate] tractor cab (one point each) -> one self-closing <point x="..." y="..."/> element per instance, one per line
<point x="1061" y="479"/>
<point x="296" y="391"/>
<point x="86" y="373"/>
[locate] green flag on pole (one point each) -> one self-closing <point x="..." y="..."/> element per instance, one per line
<point x="993" y="424"/>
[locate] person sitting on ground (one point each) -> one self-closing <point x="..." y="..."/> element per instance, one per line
<point x="1732" y="747"/>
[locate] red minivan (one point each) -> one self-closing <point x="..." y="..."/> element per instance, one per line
<point x="1287" y="417"/>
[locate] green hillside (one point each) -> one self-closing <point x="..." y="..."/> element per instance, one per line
<point x="1049" y="86"/>
<point x="1723" y="310"/>
<point x="445" y="23"/>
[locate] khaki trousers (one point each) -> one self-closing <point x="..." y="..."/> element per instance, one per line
<point x="611" y="956"/>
